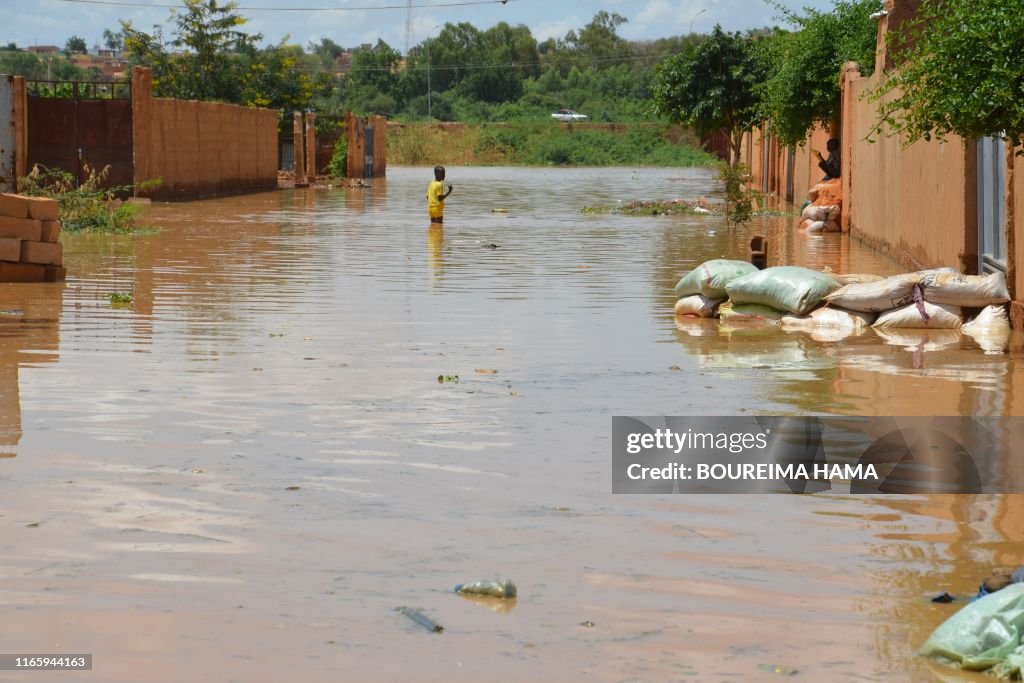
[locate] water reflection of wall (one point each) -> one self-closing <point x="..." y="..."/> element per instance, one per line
<point x="29" y="336"/>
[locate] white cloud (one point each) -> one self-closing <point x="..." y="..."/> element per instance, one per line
<point x="554" y="29"/>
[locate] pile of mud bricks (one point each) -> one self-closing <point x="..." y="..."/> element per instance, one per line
<point x="29" y="250"/>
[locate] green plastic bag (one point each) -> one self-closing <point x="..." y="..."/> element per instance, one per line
<point x="985" y="634"/>
<point x="787" y="288"/>
<point x="710" y="278"/>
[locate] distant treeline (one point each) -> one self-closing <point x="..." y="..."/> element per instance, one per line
<point x="495" y="74"/>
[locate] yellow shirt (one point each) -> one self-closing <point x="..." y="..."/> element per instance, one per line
<point x="435" y="205"/>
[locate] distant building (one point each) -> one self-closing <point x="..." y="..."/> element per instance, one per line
<point x="43" y="49"/>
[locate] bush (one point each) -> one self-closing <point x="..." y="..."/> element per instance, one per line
<point x="338" y="165"/>
<point x="88" y="207"/>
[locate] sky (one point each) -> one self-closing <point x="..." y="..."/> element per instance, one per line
<point x="52" y="22"/>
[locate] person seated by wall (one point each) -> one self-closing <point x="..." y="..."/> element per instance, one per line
<point x="830" y="166"/>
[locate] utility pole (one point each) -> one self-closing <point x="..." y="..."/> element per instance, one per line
<point x="408" y="28"/>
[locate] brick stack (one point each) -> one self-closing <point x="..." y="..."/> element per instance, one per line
<point x="29" y="250"/>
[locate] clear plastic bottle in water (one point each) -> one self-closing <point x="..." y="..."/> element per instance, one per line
<point x="503" y="588"/>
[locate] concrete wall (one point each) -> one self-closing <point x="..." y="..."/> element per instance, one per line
<point x="200" y="149"/>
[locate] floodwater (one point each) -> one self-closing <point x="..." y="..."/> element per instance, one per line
<point x="242" y="474"/>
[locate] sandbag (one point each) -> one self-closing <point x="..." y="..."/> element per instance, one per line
<point x="937" y="317"/>
<point x="734" y="312"/>
<point x="828" y="317"/>
<point x="984" y="634"/>
<point x="820" y="213"/>
<point x="823" y="226"/>
<point x="990" y="329"/>
<point x="971" y="291"/>
<point x="855" y="278"/>
<point x="991" y="317"/>
<point x="711" y="277"/>
<point x="787" y="288"/>
<point x="698" y="305"/>
<point x="874" y="297"/>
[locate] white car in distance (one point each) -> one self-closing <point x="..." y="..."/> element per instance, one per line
<point x="568" y="115"/>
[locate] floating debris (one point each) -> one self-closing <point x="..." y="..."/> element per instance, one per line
<point x="421" y="619"/>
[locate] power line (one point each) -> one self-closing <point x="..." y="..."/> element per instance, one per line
<point x="300" y="9"/>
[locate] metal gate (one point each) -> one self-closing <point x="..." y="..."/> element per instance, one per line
<point x="991" y="205"/>
<point x="75" y="125"/>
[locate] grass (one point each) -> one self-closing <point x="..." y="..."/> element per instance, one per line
<point x="544" y="143"/>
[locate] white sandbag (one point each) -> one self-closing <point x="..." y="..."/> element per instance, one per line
<point x="874" y="297"/>
<point x="855" y="278"/>
<point x="991" y="317"/>
<point x="786" y="288"/>
<point x="920" y="340"/>
<point x="971" y="291"/>
<point x="937" y="317"/>
<point x="990" y="329"/>
<point x="756" y="313"/>
<point x="830" y="317"/>
<point x="711" y="277"/>
<point x="820" y="213"/>
<point x="698" y="305"/>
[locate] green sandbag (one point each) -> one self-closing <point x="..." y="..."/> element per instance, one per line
<point x="984" y="634"/>
<point x="710" y="278"/>
<point x="787" y="288"/>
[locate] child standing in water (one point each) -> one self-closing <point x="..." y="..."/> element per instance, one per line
<point x="436" y="195"/>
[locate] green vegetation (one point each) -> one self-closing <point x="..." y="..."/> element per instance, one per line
<point x="740" y="200"/>
<point x="338" y="165"/>
<point x="801" y="88"/>
<point x="959" y="72"/>
<point x="120" y="299"/>
<point x="496" y="74"/>
<point x="711" y="87"/>
<point x="675" y="207"/>
<point x="544" y="144"/>
<point x="88" y="207"/>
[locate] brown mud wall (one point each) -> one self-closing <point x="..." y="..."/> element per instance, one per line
<point x="200" y="149"/>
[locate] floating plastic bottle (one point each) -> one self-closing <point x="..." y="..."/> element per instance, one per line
<point x="495" y="589"/>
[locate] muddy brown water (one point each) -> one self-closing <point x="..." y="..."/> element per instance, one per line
<point x="294" y="339"/>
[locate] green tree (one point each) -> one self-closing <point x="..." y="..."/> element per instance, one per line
<point x="710" y="87"/>
<point x="272" y="80"/>
<point x="598" y="42"/>
<point x="75" y="45"/>
<point x="201" y="60"/>
<point x="377" y="67"/>
<point x="801" y="89"/>
<point x="113" y="41"/>
<point x="326" y="52"/>
<point x="959" y="72"/>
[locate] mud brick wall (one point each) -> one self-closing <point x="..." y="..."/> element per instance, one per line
<point x="200" y="149"/>
<point x="29" y="230"/>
